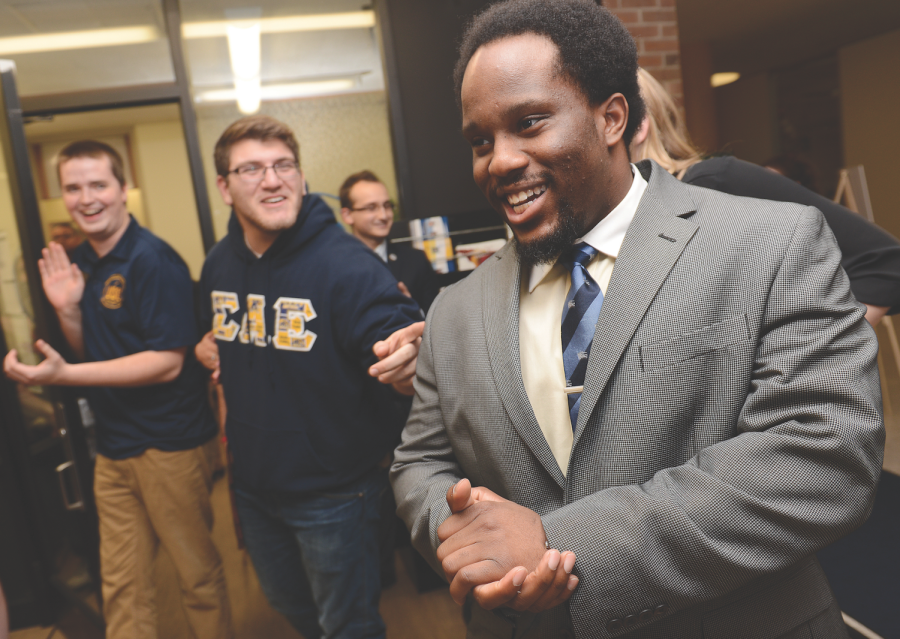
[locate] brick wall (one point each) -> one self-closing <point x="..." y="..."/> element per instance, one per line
<point x="654" y="26"/>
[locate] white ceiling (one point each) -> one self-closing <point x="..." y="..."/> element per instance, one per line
<point x="286" y="57"/>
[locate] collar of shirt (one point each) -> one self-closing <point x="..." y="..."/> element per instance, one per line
<point x="608" y="234"/>
<point x="250" y="248"/>
<point x="123" y="248"/>
<point x="381" y="251"/>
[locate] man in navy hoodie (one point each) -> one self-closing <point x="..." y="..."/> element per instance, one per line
<point x="296" y="306"/>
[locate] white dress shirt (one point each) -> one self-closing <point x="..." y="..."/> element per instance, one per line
<point x="381" y="251"/>
<point x="542" y="295"/>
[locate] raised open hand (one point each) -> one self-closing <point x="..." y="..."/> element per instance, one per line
<point x="62" y="280"/>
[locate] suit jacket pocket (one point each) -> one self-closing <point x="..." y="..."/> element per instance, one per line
<point x="716" y="336"/>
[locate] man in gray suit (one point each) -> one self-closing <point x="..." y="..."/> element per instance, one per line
<point x="725" y="423"/>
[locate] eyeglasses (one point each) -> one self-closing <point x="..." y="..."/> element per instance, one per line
<point x="375" y="206"/>
<point x="252" y="173"/>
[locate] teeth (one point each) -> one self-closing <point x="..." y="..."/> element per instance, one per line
<point x="272" y="200"/>
<point x="517" y="198"/>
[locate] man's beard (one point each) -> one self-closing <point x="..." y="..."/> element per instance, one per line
<point x="545" y="250"/>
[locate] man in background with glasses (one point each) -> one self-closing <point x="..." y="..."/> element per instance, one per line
<point x="297" y="309"/>
<point x="368" y="210"/>
<point x="126" y="309"/>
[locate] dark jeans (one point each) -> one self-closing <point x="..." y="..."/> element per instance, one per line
<point x="316" y="556"/>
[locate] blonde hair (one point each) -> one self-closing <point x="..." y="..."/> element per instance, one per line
<point x="667" y="141"/>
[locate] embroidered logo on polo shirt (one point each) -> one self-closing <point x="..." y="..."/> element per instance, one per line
<point x="113" y="291"/>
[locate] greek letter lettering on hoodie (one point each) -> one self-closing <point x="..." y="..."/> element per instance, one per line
<point x="295" y="330"/>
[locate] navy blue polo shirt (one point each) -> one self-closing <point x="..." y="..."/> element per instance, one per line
<point x="139" y="297"/>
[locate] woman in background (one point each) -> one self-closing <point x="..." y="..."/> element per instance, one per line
<point x="871" y="257"/>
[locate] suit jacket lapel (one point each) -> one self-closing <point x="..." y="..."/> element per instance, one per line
<point x="500" y="308"/>
<point x="653" y="243"/>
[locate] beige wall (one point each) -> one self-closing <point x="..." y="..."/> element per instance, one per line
<point x="338" y="136"/>
<point x="747" y="123"/>
<point x="870" y="103"/>
<point x="160" y="156"/>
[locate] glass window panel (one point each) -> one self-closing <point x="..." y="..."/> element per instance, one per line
<point x="62" y="46"/>
<point x="47" y="447"/>
<point x="17" y="315"/>
<point x="317" y="74"/>
<point x="151" y="142"/>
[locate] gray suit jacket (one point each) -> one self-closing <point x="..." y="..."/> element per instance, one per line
<point x="730" y="424"/>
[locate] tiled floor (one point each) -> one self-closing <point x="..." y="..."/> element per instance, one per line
<point x="407" y="614"/>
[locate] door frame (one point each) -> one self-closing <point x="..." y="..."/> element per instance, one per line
<point x="14" y="147"/>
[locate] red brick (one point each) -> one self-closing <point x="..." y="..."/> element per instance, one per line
<point x="650" y="61"/>
<point x="673" y="59"/>
<point x="644" y="31"/>
<point x="639" y="3"/>
<point x="670" y="31"/>
<point x="658" y="15"/>
<point x="611" y="4"/>
<point x="667" y="3"/>
<point x="667" y="45"/>
<point x="628" y="16"/>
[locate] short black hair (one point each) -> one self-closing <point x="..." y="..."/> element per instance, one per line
<point x="596" y="52"/>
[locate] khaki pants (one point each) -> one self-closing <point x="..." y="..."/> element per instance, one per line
<point x="158" y="497"/>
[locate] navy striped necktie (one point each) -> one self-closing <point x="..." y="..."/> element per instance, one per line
<point x="579" y="319"/>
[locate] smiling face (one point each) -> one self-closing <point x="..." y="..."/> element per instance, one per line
<point x="95" y="199"/>
<point x="541" y="153"/>
<point x="269" y="206"/>
<point x="371" y="226"/>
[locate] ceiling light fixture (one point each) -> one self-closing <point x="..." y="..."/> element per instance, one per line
<point x="721" y="79"/>
<point x="286" y="24"/>
<point x="246" y="62"/>
<point x="77" y="40"/>
<point x="66" y="40"/>
<point x="284" y="91"/>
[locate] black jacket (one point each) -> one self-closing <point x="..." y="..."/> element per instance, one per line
<point x="411" y="266"/>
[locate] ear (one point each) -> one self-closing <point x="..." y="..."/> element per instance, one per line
<point x="303" y="190"/>
<point x="611" y="117"/>
<point x="347" y="217"/>
<point x="222" y="183"/>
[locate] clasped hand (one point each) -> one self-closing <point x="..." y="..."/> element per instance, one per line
<point x="495" y="549"/>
